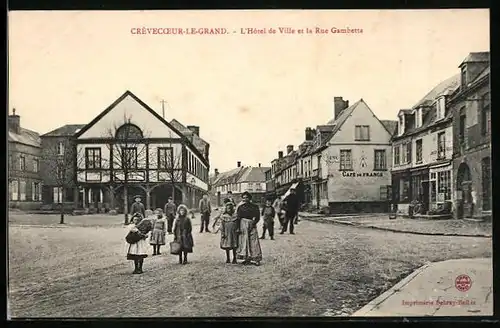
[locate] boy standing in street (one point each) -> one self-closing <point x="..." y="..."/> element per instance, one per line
<point x="268" y="213"/>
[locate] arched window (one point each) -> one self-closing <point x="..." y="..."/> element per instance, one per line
<point x="129" y="131"/>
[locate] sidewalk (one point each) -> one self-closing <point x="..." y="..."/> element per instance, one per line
<point x="416" y="226"/>
<point x="431" y="291"/>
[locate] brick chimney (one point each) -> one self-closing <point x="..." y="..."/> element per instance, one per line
<point x="259" y="165"/>
<point x="195" y="129"/>
<point x="289" y="149"/>
<point x="14" y="122"/>
<point x="280" y="154"/>
<point x="339" y="104"/>
<point x="309" y="134"/>
<point x="238" y="164"/>
<point x="216" y="172"/>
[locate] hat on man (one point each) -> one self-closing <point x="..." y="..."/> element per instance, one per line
<point x="136" y="197"/>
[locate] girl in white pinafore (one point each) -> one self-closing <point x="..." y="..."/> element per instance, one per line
<point x="138" y="251"/>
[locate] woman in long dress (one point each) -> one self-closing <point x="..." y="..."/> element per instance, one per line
<point x="183" y="233"/>
<point x="137" y="251"/>
<point x="248" y="215"/>
<point x="229" y="231"/>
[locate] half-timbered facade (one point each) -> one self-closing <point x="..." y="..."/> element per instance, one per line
<point x="130" y="150"/>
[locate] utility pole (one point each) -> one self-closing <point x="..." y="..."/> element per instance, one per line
<point x="163" y="108"/>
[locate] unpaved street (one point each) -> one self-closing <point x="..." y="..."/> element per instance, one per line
<point x="79" y="270"/>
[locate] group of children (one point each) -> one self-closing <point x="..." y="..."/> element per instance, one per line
<point x="227" y="223"/>
<point x="156" y="227"/>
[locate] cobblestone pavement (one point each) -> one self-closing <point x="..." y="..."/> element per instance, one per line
<point x="79" y="270"/>
<point x="418" y="226"/>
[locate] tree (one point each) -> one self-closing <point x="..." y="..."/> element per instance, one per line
<point x="60" y="159"/>
<point x="168" y="160"/>
<point x="128" y="152"/>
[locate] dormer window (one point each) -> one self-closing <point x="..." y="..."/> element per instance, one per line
<point x="463" y="78"/>
<point x="440" y="108"/>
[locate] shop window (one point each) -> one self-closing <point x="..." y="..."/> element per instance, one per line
<point x="404" y="189"/>
<point x="444" y="186"/>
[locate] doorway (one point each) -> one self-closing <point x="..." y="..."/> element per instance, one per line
<point x="465" y="205"/>
<point x="425" y="196"/>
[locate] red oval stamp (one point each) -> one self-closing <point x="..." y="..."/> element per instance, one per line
<point x="463" y="282"/>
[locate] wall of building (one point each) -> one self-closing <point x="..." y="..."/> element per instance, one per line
<point x="25" y="185"/>
<point x="362" y="184"/>
<point x="477" y="145"/>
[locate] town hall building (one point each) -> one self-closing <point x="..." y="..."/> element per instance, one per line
<point x="129" y="150"/>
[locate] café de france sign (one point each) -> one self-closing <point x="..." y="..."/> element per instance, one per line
<point x="362" y="174"/>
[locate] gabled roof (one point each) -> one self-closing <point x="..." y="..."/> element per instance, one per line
<point x="448" y="85"/>
<point x="197" y="141"/>
<point x="26" y="137"/>
<point x="336" y="124"/>
<point x="154" y="113"/>
<point x="390" y="125"/>
<point x="253" y="174"/>
<point x="65" y="130"/>
<point x="228" y="176"/>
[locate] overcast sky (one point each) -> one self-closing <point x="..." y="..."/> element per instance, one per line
<point x="251" y="95"/>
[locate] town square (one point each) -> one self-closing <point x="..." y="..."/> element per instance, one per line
<point x="355" y="184"/>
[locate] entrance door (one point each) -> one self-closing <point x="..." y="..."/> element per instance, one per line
<point x="464" y="192"/>
<point x="425" y="196"/>
<point x="467" y="199"/>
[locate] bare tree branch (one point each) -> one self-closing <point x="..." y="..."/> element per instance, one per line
<point x="61" y="159"/>
<point x="128" y="154"/>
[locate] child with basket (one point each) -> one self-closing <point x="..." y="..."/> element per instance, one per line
<point x="136" y="239"/>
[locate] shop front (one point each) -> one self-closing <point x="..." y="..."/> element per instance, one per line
<point x="440" y="180"/>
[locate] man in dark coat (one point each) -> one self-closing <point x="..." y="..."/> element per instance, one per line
<point x="170" y="210"/>
<point x="205" y="210"/>
<point x="138" y="207"/>
<point x="291" y="211"/>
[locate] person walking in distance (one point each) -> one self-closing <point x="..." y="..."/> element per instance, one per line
<point x="291" y="211"/>
<point x="138" y="207"/>
<point x="230" y="198"/>
<point x="205" y="211"/>
<point x="268" y="213"/>
<point x="170" y="211"/>
<point x="278" y="204"/>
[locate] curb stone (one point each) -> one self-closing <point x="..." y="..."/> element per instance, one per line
<point x="373" y="304"/>
<point x="356" y="224"/>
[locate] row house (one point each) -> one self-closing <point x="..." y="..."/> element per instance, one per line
<point x="127" y="150"/>
<point x="422" y="152"/>
<point x="24" y="178"/>
<point x="239" y="180"/>
<point x="343" y="164"/>
<point x="471" y="110"/>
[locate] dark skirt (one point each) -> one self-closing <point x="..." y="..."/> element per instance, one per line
<point x="186" y="241"/>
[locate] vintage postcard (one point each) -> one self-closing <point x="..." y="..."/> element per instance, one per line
<point x="259" y="163"/>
